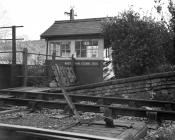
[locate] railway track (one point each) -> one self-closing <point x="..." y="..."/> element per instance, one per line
<point x="163" y="105"/>
<point x="119" y="106"/>
<point x="94" y="102"/>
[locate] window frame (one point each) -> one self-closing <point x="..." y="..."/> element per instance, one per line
<point x="88" y="43"/>
<point x="65" y="50"/>
<point x="57" y="46"/>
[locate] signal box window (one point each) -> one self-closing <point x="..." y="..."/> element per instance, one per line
<point x="65" y="49"/>
<point x="61" y="48"/>
<point x="54" y="46"/>
<point x="86" y="49"/>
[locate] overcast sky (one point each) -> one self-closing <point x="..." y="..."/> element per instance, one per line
<point x="37" y="15"/>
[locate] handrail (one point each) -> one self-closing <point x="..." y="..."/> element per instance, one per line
<point x="46" y="55"/>
<point x="10" y="51"/>
<point x="40" y="54"/>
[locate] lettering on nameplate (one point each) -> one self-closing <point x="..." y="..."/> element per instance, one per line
<point x="87" y="63"/>
<point x="67" y="63"/>
<point x="94" y="63"/>
<point x="77" y="63"/>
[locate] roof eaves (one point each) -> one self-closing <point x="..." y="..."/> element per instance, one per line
<point x="98" y="35"/>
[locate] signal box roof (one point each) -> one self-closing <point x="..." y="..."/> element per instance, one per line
<point x="74" y="28"/>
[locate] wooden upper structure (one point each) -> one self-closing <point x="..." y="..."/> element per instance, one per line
<point x="81" y="38"/>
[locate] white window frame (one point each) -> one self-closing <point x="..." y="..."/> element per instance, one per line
<point x="90" y="48"/>
<point x="57" y="46"/>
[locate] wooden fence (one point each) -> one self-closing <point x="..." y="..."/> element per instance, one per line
<point x="42" y="74"/>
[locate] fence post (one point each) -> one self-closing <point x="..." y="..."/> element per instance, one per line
<point x="25" y="51"/>
<point x="13" y="44"/>
<point x="53" y="57"/>
<point x="49" y="66"/>
<point x="73" y="62"/>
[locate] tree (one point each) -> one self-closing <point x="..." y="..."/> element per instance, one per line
<point x="171" y="9"/>
<point x="137" y="43"/>
<point x="170" y="23"/>
<point x="4" y="20"/>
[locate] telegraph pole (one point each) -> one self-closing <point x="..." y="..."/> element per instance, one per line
<point x="71" y="14"/>
<point x="13" y="28"/>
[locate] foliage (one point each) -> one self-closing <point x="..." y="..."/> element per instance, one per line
<point x="166" y="68"/>
<point x="35" y="46"/>
<point x="171" y="9"/>
<point x="137" y="43"/>
<point x="170" y="24"/>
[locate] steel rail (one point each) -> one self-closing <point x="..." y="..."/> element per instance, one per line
<point x="100" y="100"/>
<point x="25" y="132"/>
<point x="127" y="111"/>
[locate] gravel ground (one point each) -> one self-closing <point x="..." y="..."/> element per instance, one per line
<point x="46" y="118"/>
<point x="37" y="119"/>
<point x="164" y="131"/>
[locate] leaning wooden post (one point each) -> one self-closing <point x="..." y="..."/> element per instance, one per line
<point x="25" y="66"/>
<point x="61" y="83"/>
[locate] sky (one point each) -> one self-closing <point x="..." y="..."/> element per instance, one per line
<point x="38" y="15"/>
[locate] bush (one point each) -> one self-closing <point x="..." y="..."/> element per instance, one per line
<point x="138" y="44"/>
<point x="166" y="68"/>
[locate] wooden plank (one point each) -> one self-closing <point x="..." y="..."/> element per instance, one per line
<point x="97" y="133"/>
<point x="27" y="88"/>
<point x="126" y="135"/>
<point x="134" y="130"/>
<point x="116" y="123"/>
<point x="17" y="89"/>
<point x="92" y="127"/>
<point x="6" y="96"/>
<point x="12" y="89"/>
<point x="97" y="127"/>
<point x="33" y="76"/>
<point x="30" y="89"/>
<point x="87" y="129"/>
<point x="133" y="133"/>
<point x="9" y="111"/>
<point x="36" y="89"/>
<point x="141" y="133"/>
